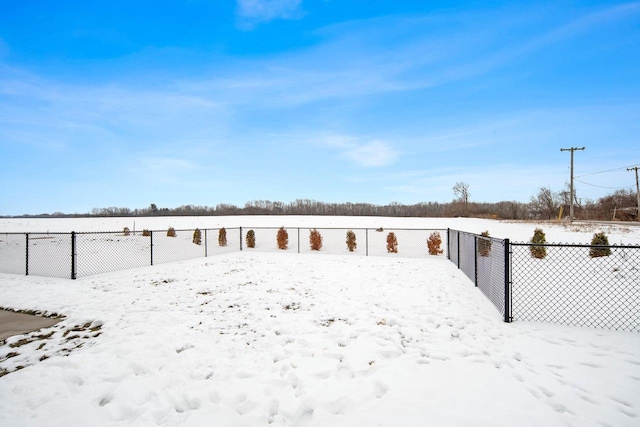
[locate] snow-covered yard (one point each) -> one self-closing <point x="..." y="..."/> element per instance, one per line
<point x="276" y="338"/>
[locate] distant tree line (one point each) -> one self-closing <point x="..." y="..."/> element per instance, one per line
<point x="545" y="205"/>
<point x="620" y="206"/>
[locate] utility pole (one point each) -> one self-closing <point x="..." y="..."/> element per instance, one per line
<point x="572" y="149"/>
<point x="637" y="192"/>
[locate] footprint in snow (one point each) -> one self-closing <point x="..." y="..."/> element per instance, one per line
<point x="389" y="354"/>
<point x="323" y="375"/>
<point x="345" y="373"/>
<point x="339" y="406"/>
<point x="380" y="389"/>
<point x="274" y="408"/>
<point x="105" y="400"/>
<point x="560" y="408"/>
<point x="293" y="380"/>
<point x="621" y="401"/>
<point x="245" y="407"/>
<point x="591" y="364"/>
<point x="304" y="414"/>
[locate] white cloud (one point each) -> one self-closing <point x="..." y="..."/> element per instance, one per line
<point x="251" y="12"/>
<point x="372" y="154"/>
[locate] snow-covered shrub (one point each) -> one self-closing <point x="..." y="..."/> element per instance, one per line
<point x="315" y="240"/>
<point x="599" y="239"/>
<point x="251" y="239"/>
<point x="538" y="237"/>
<point x="433" y="242"/>
<point x="351" y="241"/>
<point x="126" y="231"/>
<point x="146" y="232"/>
<point x="197" y="236"/>
<point x="484" y="245"/>
<point x="282" y="238"/>
<point x="392" y="243"/>
<point x="222" y="237"/>
<point x="171" y="232"/>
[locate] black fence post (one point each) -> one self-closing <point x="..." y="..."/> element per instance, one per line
<point x="26" y="268"/>
<point x="206" y="245"/>
<point x="366" y="230"/>
<point x="458" y="234"/>
<point x="73" y="255"/>
<point x="475" y="260"/>
<point x="507" y="281"/>
<point x="151" y="245"/>
<point x="448" y="244"/>
<point x="240" y="238"/>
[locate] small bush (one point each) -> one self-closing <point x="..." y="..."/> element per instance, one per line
<point x="599" y="239"/>
<point x="146" y="232"/>
<point x="251" y="239"/>
<point x="126" y="231"/>
<point x="197" y="236"/>
<point x="171" y="232"/>
<point x="315" y="240"/>
<point x="222" y="237"/>
<point x="434" y="243"/>
<point x="351" y="241"/>
<point x="282" y="239"/>
<point x="538" y="237"/>
<point x="392" y="243"/>
<point x="484" y="245"/>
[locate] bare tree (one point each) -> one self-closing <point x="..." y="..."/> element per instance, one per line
<point x="461" y="192"/>
<point x="546" y="203"/>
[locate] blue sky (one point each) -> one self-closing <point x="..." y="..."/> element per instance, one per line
<point x="203" y="102"/>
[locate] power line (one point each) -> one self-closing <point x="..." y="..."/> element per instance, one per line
<point x="600" y="186"/>
<point x="609" y="170"/>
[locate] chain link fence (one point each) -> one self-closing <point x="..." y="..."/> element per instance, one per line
<point x="583" y="285"/>
<point x="14" y="253"/>
<point x="71" y="255"/>
<point x="482" y="260"/>
<point x="580" y="285"/>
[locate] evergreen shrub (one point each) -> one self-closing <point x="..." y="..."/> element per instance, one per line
<point x="315" y="240"/>
<point x="197" y="236"/>
<point x="282" y="239"/>
<point x="351" y="241"/>
<point x="484" y="245"/>
<point x="599" y="239"/>
<point x="222" y="237"/>
<point x="433" y="243"/>
<point x="251" y="239"/>
<point x="392" y="243"/>
<point x="538" y="237"/>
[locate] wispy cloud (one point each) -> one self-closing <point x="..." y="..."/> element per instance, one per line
<point x="386" y="55"/>
<point x="253" y="12"/>
<point x="369" y="154"/>
<point x="372" y="154"/>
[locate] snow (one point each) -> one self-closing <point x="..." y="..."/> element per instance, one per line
<point x="285" y="339"/>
